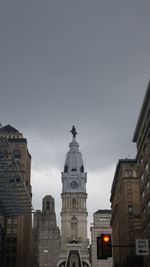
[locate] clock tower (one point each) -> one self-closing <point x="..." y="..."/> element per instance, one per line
<point x="74" y="241"/>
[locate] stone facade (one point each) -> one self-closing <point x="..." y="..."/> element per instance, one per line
<point x="101" y="225"/>
<point x="126" y="214"/>
<point x="142" y="139"/>
<point x="74" y="214"/>
<point x="46" y="235"/>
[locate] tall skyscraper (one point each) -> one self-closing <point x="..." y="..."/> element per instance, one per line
<point x="17" y="188"/>
<point x="74" y="241"/>
<point x="101" y="225"/>
<point x="46" y="235"/>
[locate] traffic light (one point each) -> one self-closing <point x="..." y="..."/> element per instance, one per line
<point x="104" y="247"/>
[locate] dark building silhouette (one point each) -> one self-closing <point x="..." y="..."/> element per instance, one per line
<point x="15" y="198"/>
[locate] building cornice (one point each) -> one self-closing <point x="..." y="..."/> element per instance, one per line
<point x="120" y="162"/>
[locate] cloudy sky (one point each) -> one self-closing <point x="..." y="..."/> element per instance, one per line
<point x="69" y="62"/>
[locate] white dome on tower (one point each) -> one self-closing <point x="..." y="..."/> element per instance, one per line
<point x="74" y="167"/>
<point x="74" y="162"/>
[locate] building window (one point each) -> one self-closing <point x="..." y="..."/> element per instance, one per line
<point x="143" y="194"/>
<point x="74" y="204"/>
<point x="15" y="221"/>
<point x="142" y="177"/>
<point x="17" y="154"/>
<point x="74" y="228"/>
<point x="147" y="185"/>
<point x="126" y="173"/>
<point x="129" y="185"/>
<point x="2" y="155"/>
<point x="130" y="197"/>
<point x="5" y="154"/>
<point x="141" y="159"/>
<point x="130" y="173"/>
<point x="47" y="205"/>
<point x="15" y="230"/>
<point x="134" y="173"/>
<point x="146" y="166"/>
<point x="130" y="209"/>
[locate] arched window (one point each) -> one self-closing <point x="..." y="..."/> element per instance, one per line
<point x="134" y="173"/>
<point x="3" y="154"/>
<point x="126" y="173"/>
<point x="130" y="173"/>
<point x="17" y="154"/>
<point x="74" y="228"/>
<point x="74" y="203"/>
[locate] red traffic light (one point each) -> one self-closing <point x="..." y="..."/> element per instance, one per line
<point x="106" y="238"/>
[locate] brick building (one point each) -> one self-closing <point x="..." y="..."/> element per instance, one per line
<point x="126" y="214"/>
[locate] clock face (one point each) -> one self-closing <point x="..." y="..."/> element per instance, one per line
<point x="74" y="184"/>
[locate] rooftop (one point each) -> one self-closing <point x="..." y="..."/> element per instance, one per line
<point x="9" y="129"/>
<point x="103" y="211"/>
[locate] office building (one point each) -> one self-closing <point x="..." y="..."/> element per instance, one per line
<point x="142" y="139"/>
<point x="15" y="197"/>
<point x="126" y="214"/>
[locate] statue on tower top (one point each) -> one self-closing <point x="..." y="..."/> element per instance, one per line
<point x="73" y="131"/>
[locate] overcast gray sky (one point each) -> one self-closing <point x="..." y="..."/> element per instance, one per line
<point x="69" y="62"/>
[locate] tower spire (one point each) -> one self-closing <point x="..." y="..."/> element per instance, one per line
<point x="74" y="241"/>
